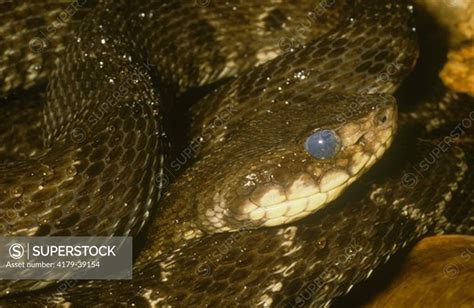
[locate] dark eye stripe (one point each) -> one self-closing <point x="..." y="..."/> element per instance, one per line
<point x="323" y="144"/>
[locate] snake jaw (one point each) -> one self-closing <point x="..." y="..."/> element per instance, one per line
<point x="363" y="143"/>
<point x="273" y="205"/>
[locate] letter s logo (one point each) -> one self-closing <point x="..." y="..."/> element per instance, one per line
<point x="16" y="251"/>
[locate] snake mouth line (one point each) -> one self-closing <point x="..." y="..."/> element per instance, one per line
<point x="363" y="143"/>
<point x="305" y="198"/>
<point x="308" y="193"/>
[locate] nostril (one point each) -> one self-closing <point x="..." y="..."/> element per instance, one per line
<point x="383" y="118"/>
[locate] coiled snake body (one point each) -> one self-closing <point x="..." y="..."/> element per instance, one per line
<point x="247" y="221"/>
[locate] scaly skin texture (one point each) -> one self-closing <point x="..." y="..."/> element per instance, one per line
<point x="118" y="56"/>
<point x="33" y="34"/>
<point x="89" y="128"/>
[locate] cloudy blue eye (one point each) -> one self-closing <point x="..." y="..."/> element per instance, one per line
<point x="323" y="144"/>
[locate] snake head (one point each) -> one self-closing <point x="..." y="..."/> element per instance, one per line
<point x="284" y="164"/>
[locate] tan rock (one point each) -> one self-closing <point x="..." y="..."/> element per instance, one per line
<point x="438" y="272"/>
<point x="458" y="72"/>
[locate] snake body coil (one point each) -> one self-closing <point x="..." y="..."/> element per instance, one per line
<point x="114" y="69"/>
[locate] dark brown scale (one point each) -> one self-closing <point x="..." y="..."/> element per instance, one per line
<point x="274" y="20"/>
<point x="363" y="67"/>
<point x="376" y="68"/>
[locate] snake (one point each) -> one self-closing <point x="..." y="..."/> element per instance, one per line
<point x="283" y="193"/>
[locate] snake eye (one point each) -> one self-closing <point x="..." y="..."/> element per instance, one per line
<point x="323" y="144"/>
